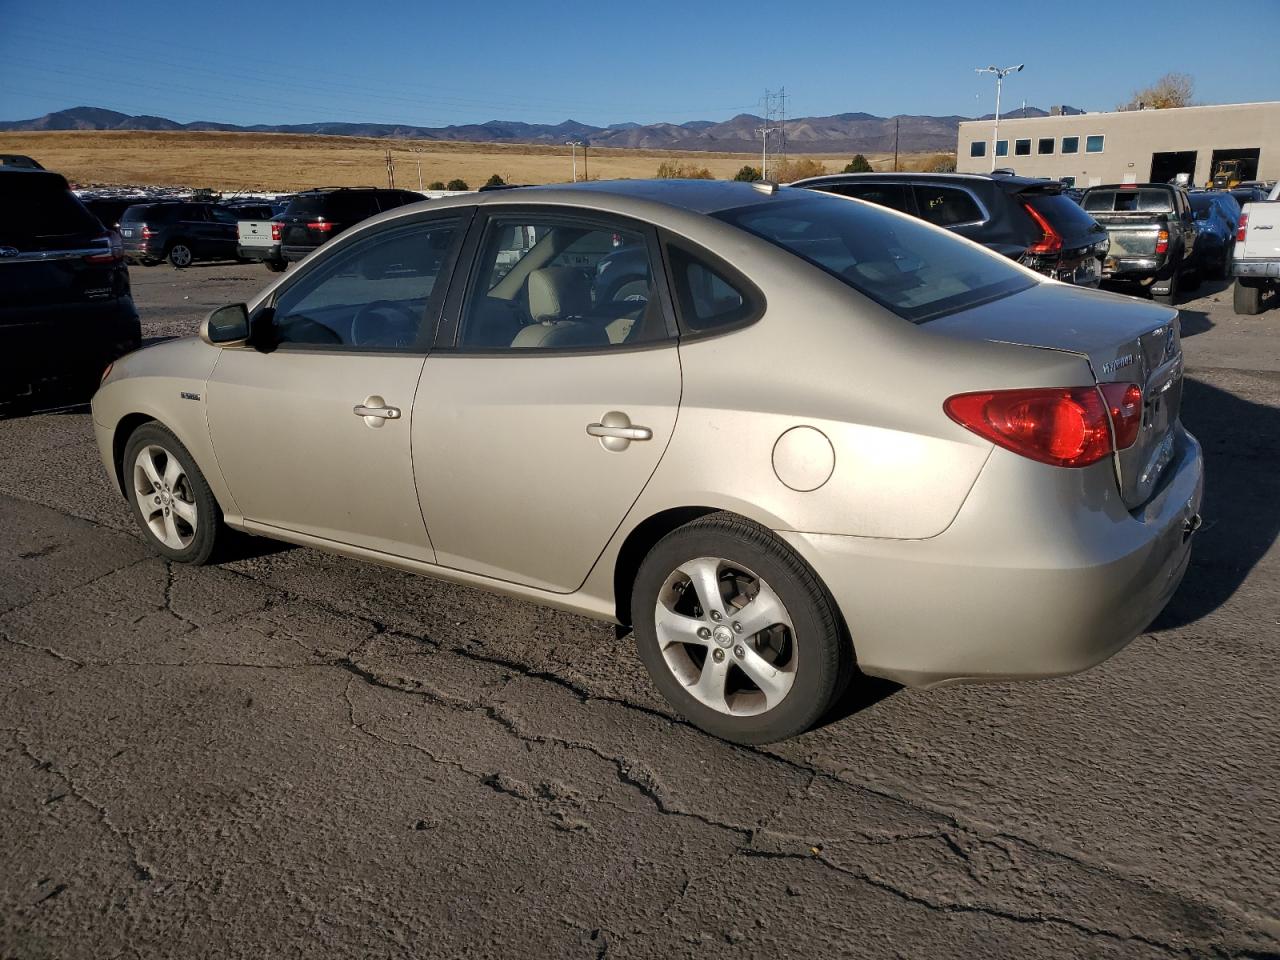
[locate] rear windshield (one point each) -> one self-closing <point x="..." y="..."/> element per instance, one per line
<point x="1128" y="201"/>
<point x="341" y="206"/>
<point x="41" y="205"/>
<point x="912" y="269"/>
<point x="1064" y="214"/>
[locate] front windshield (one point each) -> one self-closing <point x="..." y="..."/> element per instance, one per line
<point x="913" y="269"/>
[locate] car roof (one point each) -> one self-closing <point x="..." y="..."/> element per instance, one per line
<point x="1011" y="182"/>
<point x="695" y="196"/>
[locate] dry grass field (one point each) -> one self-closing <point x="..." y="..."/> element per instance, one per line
<point x="284" y="162"/>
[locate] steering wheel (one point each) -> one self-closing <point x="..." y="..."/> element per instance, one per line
<point x="384" y="323"/>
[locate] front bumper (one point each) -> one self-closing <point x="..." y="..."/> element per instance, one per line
<point x="1256" y="268"/>
<point x="1027" y="588"/>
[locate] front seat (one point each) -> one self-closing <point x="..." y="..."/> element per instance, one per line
<point x="558" y="298"/>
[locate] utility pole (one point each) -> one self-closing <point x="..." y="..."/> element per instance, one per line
<point x="417" y="155"/>
<point x="391" y="170"/>
<point x="573" y="146"/>
<point x="764" y="150"/>
<point x="896" y="121"/>
<point x="585" y="144"/>
<point x="1001" y="73"/>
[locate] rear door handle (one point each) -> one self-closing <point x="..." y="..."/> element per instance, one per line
<point x="375" y="411"/>
<point x="620" y="433"/>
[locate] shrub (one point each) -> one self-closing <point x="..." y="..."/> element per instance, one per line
<point x="940" y="163"/>
<point x="495" y="181"/>
<point x="859" y="164"/>
<point x="457" y="185"/>
<point x="748" y="174"/>
<point x="785" y="171"/>
<point x="435" y="185"/>
<point x="678" y="170"/>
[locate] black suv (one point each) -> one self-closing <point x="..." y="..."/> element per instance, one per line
<point x="1032" y="221"/>
<point x="66" y="310"/>
<point x="180" y="231"/>
<point x="322" y="213"/>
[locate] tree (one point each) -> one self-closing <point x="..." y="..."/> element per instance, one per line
<point x="785" y="171"/>
<point x="457" y="185"/>
<point x="435" y="185"/>
<point x="747" y="174"/>
<point x="495" y="181"/>
<point x="678" y="170"/>
<point x="859" y="164"/>
<point x="1171" y="90"/>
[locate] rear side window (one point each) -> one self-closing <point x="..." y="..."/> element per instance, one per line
<point x="906" y="267"/>
<point x="895" y="195"/>
<point x="946" y="206"/>
<point x="40" y="205"/>
<point x="1128" y="201"/>
<point x="1063" y="213"/>
<point x="708" y="299"/>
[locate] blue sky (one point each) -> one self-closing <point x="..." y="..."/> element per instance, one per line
<point x="428" y="63"/>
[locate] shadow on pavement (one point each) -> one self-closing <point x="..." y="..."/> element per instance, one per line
<point x="1241" y="506"/>
<point x="863" y="692"/>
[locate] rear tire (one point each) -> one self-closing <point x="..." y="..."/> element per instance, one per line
<point x="1171" y="297"/>
<point x="276" y="266"/>
<point x="772" y="619"/>
<point x="1247" y="300"/>
<point x="171" y="499"/>
<point x="1192" y="279"/>
<point x="180" y="255"/>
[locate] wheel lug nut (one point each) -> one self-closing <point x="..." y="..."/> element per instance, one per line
<point x="717" y="615"/>
<point x="717" y="655"/>
<point x="739" y="652"/>
<point x="704" y="633"/>
<point x="737" y="627"/>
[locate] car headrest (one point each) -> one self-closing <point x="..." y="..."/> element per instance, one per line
<point x="558" y="293"/>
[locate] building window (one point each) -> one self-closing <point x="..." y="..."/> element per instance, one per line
<point x="1002" y="148"/>
<point x="978" y="148"/>
<point x="1093" y="144"/>
<point x="1044" y="145"/>
<point x="1022" y="148"/>
<point x="1070" y="144"/>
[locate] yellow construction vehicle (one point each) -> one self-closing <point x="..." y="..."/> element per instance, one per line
<point x="1226" y="175"/>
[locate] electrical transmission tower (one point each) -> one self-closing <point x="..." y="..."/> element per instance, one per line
<point x="774" y="105"/>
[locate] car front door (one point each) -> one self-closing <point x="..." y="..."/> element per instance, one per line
<point x="223" y="235"/>
<point x="311" y="422"/>
<point x="544" y="411"/>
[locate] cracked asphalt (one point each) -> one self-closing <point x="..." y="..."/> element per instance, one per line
<point x="295" y="754"/>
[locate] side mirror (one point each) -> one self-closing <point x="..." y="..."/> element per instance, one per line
<point x="226" y="326"/>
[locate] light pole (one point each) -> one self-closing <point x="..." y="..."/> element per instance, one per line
<point x="1001" y="73"/>
<point x="573" y="146"/>
<point x="417" y="151"/>
<point x="764" y="150"/>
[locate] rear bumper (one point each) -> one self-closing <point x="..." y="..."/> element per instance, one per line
<point x="1256" y="268"/>
<point x="292" y="253"/>
<point x="72" y="343"/>
<point x="1002" y="596"/>
<point x="264" y="254"/>
<point x="1132" y="268"/>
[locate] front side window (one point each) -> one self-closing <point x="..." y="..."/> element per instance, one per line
<point x="946" y="206"/>
<point x="561" y="284"/>
<point x="1044" y="145"/>
<point x="372" y="294"/>
<point x="1022" y="148"/>
<point x="978" y="148"/>
<point x="1070" y="144"/>
<point x="1002" y="148"/>
<point x="905" y="266"/>
<point x="1093" y="144"/>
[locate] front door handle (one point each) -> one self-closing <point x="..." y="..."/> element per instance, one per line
<point x="375" y="411"/>
<point x="616" y="431"/>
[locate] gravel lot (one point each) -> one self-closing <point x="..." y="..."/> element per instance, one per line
<point x="294" y="754"/>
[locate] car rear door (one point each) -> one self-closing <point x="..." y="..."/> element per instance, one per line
<point x="545" y="409"/>
<point x="222" y="233"/>
<point x="311" y="425"/>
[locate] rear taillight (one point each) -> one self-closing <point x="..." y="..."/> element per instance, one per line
<point x="324" y="226"/>
<point x="1124" y="403"/>
<point x="275" y="231"/>
<point x="1242" y="228"/>
<point x="147" y="233"/>
<point x="1062" y="426"/>
<point x="1162" y="241"/>
<point x="114" y="251"/>
<point x="1050" y="241"/>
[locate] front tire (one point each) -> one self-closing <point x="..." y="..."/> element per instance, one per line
<point x="1247" y="300"/>
<point x="737" y="632"/>
<point x="180" y="255"/>
<point x="171" y="499"/>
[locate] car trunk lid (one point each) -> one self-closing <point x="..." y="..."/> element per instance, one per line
<point x="1124" y="341"/>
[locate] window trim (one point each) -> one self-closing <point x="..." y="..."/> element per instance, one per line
<point x="751" y="293"/>
<point x="982" y="207"/>
<point x="999" y="144"/>
<point x="463" y="215"/>
<point x="1053" y="146"/>
<point x="1100" y="136"/>
<point x="449" y="326"/>
<point x="1021" y="140"/>
<point x="980" y="146"/>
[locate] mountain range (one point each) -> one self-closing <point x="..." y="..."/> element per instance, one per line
<point x="841" y="133"/>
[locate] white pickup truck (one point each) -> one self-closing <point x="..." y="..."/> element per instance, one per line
<point x="260" y="240"/>
<point x="1256" y="261"/>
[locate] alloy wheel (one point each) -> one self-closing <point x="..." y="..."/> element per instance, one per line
<point x="726" y="635"/>
<point x="180" y="255"/>
<point x="165" y="497"/>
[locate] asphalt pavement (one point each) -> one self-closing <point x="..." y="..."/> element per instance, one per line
<point x="294" y="754"/>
